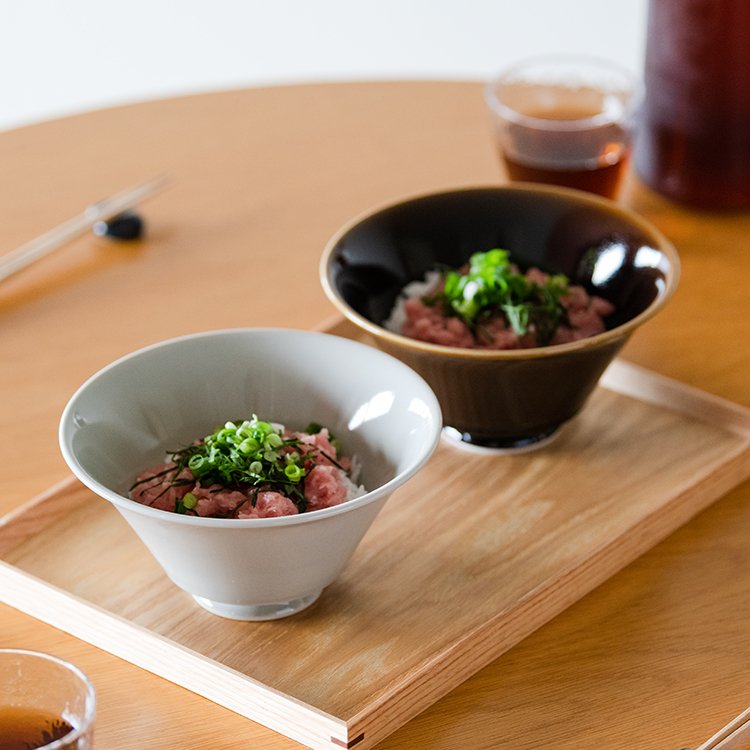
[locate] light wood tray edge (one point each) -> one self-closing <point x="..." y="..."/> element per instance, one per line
<point x="154" y="653"/>
<point x="415" y="692"/>
<point x="38" y="513"/>
<point x="418" y="690"/>
<point x="632" y="380"/>
<point x="546" y="601"/>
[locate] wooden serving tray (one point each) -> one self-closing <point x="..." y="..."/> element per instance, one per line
<point x="467" y="559"/>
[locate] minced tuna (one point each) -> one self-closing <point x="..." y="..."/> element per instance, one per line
<point x="424" y="310"/>
<point x="251" y="469"/>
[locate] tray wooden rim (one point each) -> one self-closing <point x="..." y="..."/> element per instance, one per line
<point x="313" y="726"/>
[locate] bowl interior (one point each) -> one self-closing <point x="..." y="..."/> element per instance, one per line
<point x="124" y="419"/>
<point x="597" y="244"/>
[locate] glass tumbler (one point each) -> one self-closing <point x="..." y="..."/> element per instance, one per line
<point x="566" y="120"/>
<point x="45" y="702"/>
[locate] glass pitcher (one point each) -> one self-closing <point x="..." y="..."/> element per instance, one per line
<point x="694" y="140"/>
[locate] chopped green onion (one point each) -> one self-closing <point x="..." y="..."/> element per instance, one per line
<point x="294" y="473"/>
<point x="246" y="452"/>
<point x="274" y="440"/>
<point x="248" y="445"/>
<point x="492" y="284"/>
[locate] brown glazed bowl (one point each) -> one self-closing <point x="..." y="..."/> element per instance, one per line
<point x="511" y="398"/>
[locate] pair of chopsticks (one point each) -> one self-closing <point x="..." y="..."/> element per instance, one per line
<point x="734" y="736"/>
<point x="103" y="210"/>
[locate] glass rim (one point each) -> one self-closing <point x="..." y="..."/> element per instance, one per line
<point x="632" y="88"/>
<point x="89" y="699"/>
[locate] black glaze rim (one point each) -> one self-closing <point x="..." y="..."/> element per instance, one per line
<point x="574" y="197"/>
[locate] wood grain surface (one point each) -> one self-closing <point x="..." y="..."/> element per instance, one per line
<point x="655" y="658"/>
<point x="522" y="537"/>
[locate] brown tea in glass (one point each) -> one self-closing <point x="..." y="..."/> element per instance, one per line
<point x="27" y="728"/>
<point x="45" y="702"/>
<point x="564" y="120"/>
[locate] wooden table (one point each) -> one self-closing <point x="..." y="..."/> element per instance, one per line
<point x="654" y="659"/>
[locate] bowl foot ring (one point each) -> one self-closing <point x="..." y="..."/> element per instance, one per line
<point x="257" y="612"/>
<point x="498" y="447"/>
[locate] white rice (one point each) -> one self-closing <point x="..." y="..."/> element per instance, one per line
<point x="352" y="490"/>
<point x="395" y="321"/>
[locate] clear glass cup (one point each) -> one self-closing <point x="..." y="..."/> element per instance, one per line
<point x="45" y="702"/>
<point x="566" y="120"/>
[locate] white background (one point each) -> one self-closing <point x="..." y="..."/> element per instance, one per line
<point x="59" y="57"/>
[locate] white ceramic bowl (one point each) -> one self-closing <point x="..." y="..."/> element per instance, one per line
<point x="124" y="419"/>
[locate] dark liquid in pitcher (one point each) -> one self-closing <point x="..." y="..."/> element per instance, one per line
<point x="27" y="728"/>
<point x="694" y="142"/>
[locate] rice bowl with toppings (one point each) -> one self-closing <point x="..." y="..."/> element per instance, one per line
<point x="515" y="398"/>
<point x="143" y="406"/>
